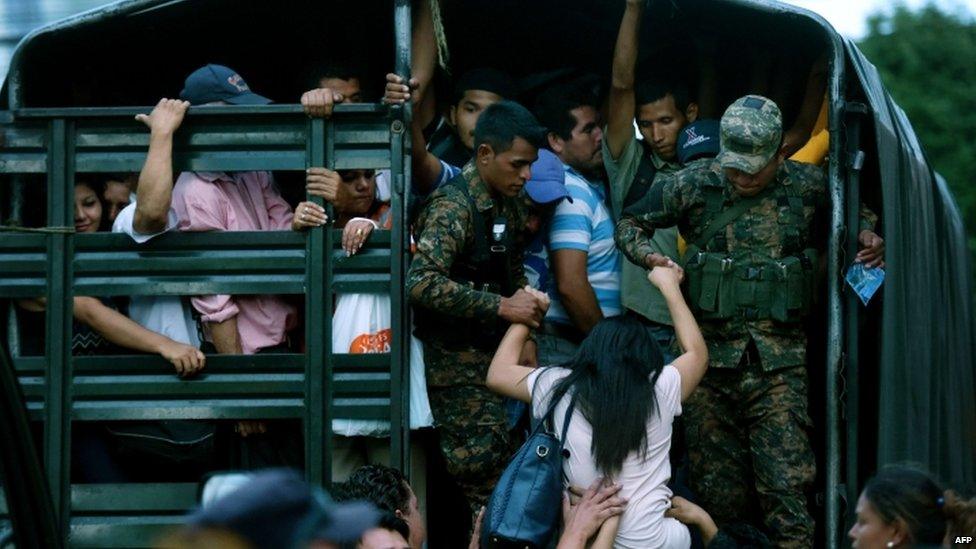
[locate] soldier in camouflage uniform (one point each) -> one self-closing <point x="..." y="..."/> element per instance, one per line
<point x="464" y="300"/>
<point x="750" y="270"/>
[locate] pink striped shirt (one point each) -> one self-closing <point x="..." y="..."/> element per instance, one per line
<point x="237" y="201"/>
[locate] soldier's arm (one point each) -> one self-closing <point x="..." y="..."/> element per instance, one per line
<point x="438" y="246"/>
<point x="663" y="206"/>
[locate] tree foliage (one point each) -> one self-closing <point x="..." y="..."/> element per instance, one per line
<point x="927" y="59"/>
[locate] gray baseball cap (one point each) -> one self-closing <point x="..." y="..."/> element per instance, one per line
<point x="750" y="133"/>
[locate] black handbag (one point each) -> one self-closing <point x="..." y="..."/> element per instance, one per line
<point x="526" y="503"/>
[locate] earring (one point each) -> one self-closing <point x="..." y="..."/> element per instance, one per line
<point x="890" y="544"/>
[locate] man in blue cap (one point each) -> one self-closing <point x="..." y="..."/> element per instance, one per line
<point x="586" y="263"/>
<point x="239" y="201"/>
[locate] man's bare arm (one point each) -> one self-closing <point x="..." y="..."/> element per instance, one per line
<point x="156" y="178"/>
<point x="620" y="125"/>
<point x="225" y="337"/>
<point x="575" y="291"/>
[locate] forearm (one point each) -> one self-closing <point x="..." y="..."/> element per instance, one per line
<point x="579" y="300"/>
<point x="155" y="185"/>
<point x="226" y="338"/>
<point x="626" y="48"/>
<point x="685" y="326"/>
<point x="509" y="350"/>
<point x="606" y="535"/>
<point x="426" y="166"/>
<point x="116" y="327"/>
<point x="424" y="55"/>
<point x="634" y="240"/>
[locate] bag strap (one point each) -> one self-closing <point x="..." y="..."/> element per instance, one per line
<point x="723" y="219"/>
<point x="566" y="418"/>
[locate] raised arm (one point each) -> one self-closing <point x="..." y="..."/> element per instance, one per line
<point x="620" y="125"/>
<point x="693" y="361"/>
<point x="155" y="190"/>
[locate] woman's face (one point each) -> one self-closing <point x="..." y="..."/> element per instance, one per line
<point x="88" y="209"/>
<point x="870" y="531"/>
<point x="357" y="192"/>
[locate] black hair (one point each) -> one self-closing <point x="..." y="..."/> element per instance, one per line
<point x="913" y="496"/>
<point x="330" y="70"/>
<point x="486" y="79"/>
<point x="613" y="375"/>
<point x="97" y="184"/>
<point x="389" y="521"/>
<point x="553" y="109"/>
<point x="383" y="486"/>
<point x="501" y="123"/>
<point x="649" y="90"/>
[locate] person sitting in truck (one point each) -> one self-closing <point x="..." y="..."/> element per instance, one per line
<point x="118" y="193"/>
<point x="239" y="201"/>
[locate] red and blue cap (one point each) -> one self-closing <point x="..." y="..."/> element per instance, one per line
<point x="213" y="83"/>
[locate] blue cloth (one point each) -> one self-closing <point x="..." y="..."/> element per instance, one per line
<point x="585" y="224"/>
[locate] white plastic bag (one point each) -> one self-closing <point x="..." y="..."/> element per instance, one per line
<point x="361" y="324"/>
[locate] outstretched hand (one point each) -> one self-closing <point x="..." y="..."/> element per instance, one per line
<point x="583" y="519"/>
<point x="662" y="277"/>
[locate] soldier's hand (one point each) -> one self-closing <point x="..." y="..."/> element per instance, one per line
<point x="583" y="519"/>
<point x="521" y="308"/>
<point x="165" y="117"/>
<point x="873" y="248"/>
<point x="321" y="101"/>
<point x="657" y="260"/>
<point x="322" y="182"/>
<point x="666" y="277"/>
<point x="397" y="92"/>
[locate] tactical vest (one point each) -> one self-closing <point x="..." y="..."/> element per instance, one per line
<point x="486" y="267"/>
<point x="724" y="285"/>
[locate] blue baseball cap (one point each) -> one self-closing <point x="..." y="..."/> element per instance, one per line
<point x="548" y="181"/>
<point x="277" y="508"/>
<point x="219" y="83"/>
<point x="698" y="140"/>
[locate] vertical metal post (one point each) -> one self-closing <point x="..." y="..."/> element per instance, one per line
<point x="400" y="254"/>
<point x="835" y="93"/>
<point x="318" y="323"/>
<point x="57" y="404"/>
<point x="853" y="161"/>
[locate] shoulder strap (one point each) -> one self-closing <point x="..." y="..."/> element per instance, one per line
<point x="566" y="419"/>
<point x="642" y="182"/>
<point x="725" y="217"/>
<point x="478" y="221"/>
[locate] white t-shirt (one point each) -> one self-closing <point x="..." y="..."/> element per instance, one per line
<point x="644" y="478"/>
<point x="167" y="315"/>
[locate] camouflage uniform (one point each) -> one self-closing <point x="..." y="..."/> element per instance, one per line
<point x="747" y="422"/>
<point x="472" y="420"/>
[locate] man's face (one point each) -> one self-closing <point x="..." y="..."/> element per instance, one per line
<point x="539" y="215"/>
<point x="350" y="90"/>
<point x="752" y="184"/>
<point x="582" y="151"/>
<point x="506" y="173"/>
<point x="381" y="538"/>
<point x="357" y="192"/>
<point x="116" y="197"/>
<point x="413" y="518"/>
<point x="464" y="115"/>
<point x="659" y="123"/>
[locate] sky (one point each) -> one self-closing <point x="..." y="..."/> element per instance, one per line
<point x="849" y="16"/>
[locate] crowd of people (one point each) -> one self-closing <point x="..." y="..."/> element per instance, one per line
<point x="648" y="286"/>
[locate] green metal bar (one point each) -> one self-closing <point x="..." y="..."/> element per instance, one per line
<point x="853" y="162"/>
<point x="57" y="424"/>
<point x="326" y="246"/>
<point x="317" y="336"/>
<point x="400" y="250"/>
<point x="835" y="319"/>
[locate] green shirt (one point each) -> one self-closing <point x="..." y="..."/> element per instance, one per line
<point x="637" y="293"/>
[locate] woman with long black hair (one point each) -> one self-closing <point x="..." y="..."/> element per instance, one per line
<point x="625" y="400"/>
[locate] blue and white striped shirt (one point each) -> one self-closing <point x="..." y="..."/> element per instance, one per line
<point x="585" y="224"/>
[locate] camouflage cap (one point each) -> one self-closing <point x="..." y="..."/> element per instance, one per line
<point x="750" y="133"/>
